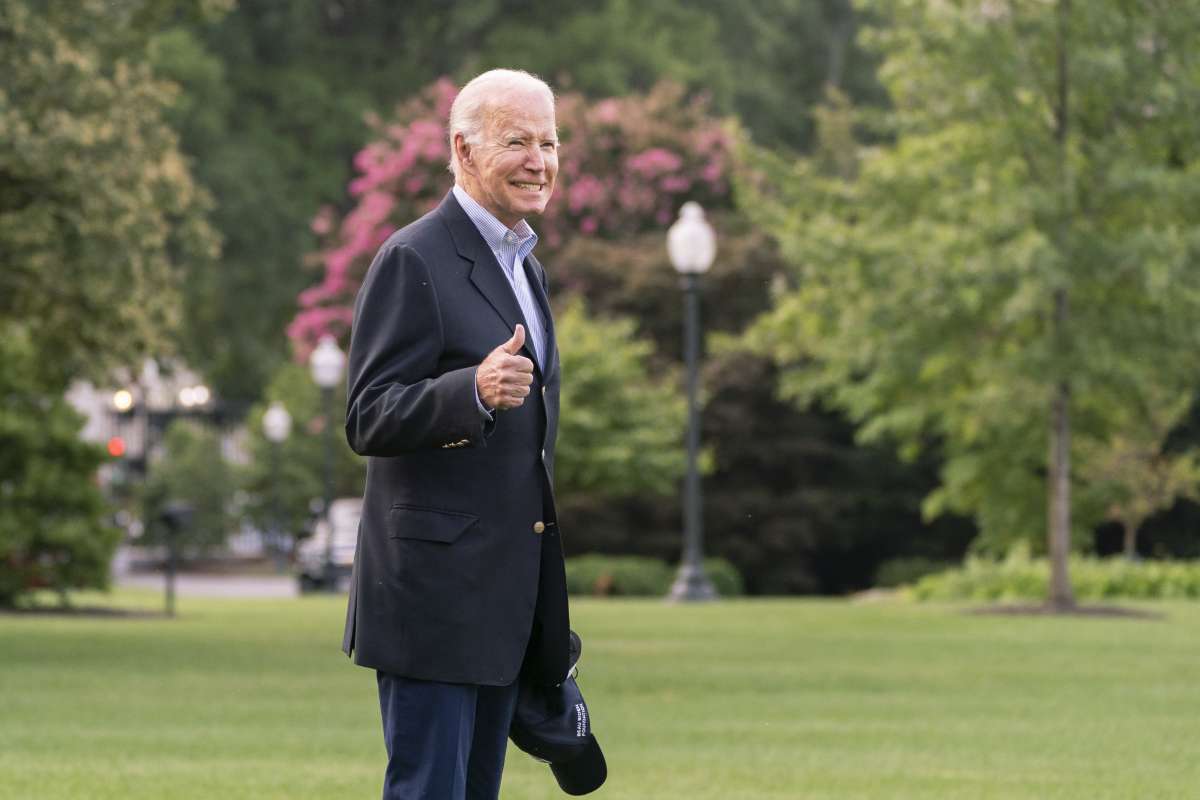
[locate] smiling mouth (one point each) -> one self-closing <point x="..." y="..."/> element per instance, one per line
<point x="531" y="187"/>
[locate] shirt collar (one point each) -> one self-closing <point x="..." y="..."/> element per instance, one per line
<point x="499" y="237"/>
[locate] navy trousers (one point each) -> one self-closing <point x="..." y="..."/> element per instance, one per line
<point x="445" y="741"/>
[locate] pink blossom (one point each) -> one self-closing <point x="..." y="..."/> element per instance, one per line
<point x="381" y="235"/>
<point x="676" y="184"/>
<point x="653" y="162"/>
<point x="713" y="137"/>
<point x="310" y="325"/>
<point x="607" y="112"/>
<point x="443" y="92"/>
<point x="338" y="261"/>
<point x="712" y="172"/>
<point x="587" y="192"/>
<point x="322" y="221"/>
<point x="635" y="197"/>
<point x="626" y="162"/>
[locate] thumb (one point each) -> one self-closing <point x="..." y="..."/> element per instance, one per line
<point x="513" y="345"/>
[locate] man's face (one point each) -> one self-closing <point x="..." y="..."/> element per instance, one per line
<point x="511" y="171"/>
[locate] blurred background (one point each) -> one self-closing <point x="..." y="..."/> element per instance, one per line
<point x="950" y="344"/>
<point x="953" y="312"/>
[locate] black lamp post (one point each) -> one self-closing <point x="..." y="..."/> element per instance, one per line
<point x="277" y="425"/>
<point x="692" y="245"/>
<point x="326" y="363"/>
<point x="158" y="404"/>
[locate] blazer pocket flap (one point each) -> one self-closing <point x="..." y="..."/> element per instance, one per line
<point x="428" y="524"/>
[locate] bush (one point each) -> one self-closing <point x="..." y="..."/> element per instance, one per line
<point x="54" y="528"/>
<point x="1023" y="578"/>
<point x="902" y="571"/>
<point x="724" y="576"/>
<point x="639" y="576"/>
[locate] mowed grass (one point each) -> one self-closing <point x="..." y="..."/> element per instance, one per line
<point x="743" y="699"/>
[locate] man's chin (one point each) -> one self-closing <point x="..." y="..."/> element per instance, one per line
<point x="531" y="209"/>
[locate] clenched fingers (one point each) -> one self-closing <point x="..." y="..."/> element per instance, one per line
<point x="503" y="378"/>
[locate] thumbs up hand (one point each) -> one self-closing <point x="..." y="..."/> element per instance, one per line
<point x="504" y="378"/>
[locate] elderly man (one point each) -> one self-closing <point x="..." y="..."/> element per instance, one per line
<point x="458" y="582"/>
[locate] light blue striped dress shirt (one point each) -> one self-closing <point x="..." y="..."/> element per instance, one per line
<point x="511" y="247"/>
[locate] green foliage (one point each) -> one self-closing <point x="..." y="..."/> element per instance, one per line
<point x="617" y="47"/>
<point x="795" y="502"/>
<point x="287" y="481"/>
<point x="274" y="97"/>
<point x="800" y="48"/>
<point x="618" y="575"/>
<point x="1137" y="472"/>
<point x="641" y="576"/>
<point x="900" y="571"/>
<point x="725" y="577"/>
<point x="927" y="274"/>
<point x="53" y="528"/>
<point x="192" y="470"/>
<point x="621" y="428"/>
<point x="1019" y="577"/>
<point x="98" y="212"/>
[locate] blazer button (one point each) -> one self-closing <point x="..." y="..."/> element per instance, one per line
<point x="539" y="526"/>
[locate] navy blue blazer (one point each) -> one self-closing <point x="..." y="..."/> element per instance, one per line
<point x="458" y="576"/>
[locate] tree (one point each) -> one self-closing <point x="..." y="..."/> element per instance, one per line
<point x="282" y="484"/>
<point x="621" y="430"/>
<point x="1136" y="472"/>
<point x="275" y="95"/>
<point x="54" y="533"/>
<point x="1015" y="271"/>
<point x="193" y="470"/>
<point x="98" y="212"/>
<point x="627" y="164"/>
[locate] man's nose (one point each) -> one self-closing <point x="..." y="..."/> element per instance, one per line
<point x="535" y="159"/>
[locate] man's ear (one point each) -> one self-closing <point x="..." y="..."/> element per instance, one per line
<point x="462" y="149"/>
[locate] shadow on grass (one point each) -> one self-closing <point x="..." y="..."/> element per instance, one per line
<point x="1043" y="609"/>
<point x="83" y="612"/>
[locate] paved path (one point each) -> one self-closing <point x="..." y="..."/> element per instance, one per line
<point x="193" y="585"/>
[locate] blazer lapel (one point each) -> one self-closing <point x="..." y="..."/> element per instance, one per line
<point x="533" y="274"/>
<point x="485" y="272"/>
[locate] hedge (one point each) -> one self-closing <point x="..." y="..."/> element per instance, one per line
<point x="639" y="576"/>
<point x="1023" y="578"/>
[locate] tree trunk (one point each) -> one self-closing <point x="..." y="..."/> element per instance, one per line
<point x="1059" y="528"/>
<point x="1130" y="548"/>
<point x="841" y="33"/>
<point x="1061" y="596"/>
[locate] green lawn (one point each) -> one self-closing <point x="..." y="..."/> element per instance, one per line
<point x="749" y="699"/>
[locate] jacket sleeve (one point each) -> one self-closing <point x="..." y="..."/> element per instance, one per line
<point x="397" y="402"/>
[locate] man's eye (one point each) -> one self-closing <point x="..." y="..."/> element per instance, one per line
<point x="549" y="145"/>
<point x="515" y="143"/>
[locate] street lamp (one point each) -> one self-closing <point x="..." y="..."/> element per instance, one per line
<point x="277" y="425"/>
<point x="692" y="245"/>
<point x="122" y="401"/>
<point x="326" y="364"/>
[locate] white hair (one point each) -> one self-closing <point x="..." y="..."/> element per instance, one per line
<point x="469" y="111"/>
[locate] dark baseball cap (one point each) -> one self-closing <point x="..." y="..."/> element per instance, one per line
<point x="552" y="724"/>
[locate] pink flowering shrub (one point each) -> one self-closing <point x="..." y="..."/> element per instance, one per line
<point x="625" y="167"/>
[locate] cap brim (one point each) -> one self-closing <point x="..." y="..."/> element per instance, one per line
<point x="583" y="774"/>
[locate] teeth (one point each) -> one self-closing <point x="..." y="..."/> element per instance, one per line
<point x="528" y="185"/>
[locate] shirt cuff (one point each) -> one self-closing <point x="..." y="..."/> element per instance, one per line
<point x="478" y="402"/>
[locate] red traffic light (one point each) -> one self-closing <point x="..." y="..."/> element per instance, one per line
<point x="116" y="446"/>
